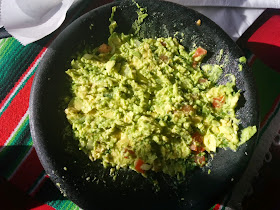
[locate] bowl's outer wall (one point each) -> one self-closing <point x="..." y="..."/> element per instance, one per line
<point x="76" y="174"/>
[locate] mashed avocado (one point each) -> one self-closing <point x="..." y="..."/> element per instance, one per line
<point x="145" y="104"/>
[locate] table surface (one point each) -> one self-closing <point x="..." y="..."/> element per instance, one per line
<point x="22" y="178"/>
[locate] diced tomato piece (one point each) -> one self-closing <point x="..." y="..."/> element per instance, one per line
<point x="129" y="151"/>
<point x="218" y="102"/>
<point x="197" y="137"/>
<point x="197" y="144"/>
<point x="199" y="52"/>
<point x="198" y="55"/>
<point x="200" y="149"/>
<point x="200" y="160"/>
<point x="104" y="48"/>
<point x="138" y="165"/>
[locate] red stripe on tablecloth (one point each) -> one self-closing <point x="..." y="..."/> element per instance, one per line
<point x="27" y="172"/>
<point x="22" y="77"/>
<point x="43" y="207"/>
<point x="265" y="42"/>
<point x="277" y="100"/>
<point x="14" y="113"/>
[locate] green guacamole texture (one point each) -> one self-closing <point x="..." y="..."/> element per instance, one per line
<point x="148" y="105"/>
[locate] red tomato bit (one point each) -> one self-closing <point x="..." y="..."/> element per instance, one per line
<point x="197" y="144"/>
<point x="198" y="55"/>
<point x="199" y="52"/>
<point x="130" y="152"/>
<point x="138" y="165"/>
<point x="197" y="137"/>
<point x="104" y="48"/>
<point x="200" y="149"/>
<point x="218" y="102"/>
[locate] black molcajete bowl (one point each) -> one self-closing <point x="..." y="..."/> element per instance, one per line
<point x="87" y="183"/>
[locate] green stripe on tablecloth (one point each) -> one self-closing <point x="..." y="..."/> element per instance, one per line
<point x="267" y="81"/>
<point x="21" y="86"/>
<point x="2" y="41"/>
<point x="63" y="205"/>
<point x="17" y="60"/>
<point x="6" y="48"/>
<point x="269" y="120"/>
<point x="8" y="57"/>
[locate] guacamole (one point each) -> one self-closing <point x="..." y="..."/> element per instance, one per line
<point x="147" y="105"/>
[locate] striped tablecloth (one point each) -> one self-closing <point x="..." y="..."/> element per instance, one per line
<point x="24" y="183"/>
